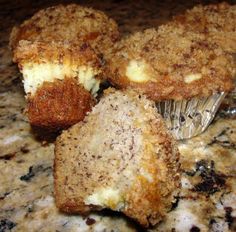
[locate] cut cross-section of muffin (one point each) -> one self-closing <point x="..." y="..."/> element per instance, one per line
<point x="120" y="157"/>
<point x="60" y="80"/>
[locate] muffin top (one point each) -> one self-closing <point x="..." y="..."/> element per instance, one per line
<point x="170" y="63"/>
<point x="71" y="22"/>
<point x="41" y="62"/>
<point x="216" y="20"/>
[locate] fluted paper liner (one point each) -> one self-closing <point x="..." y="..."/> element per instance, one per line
<point x="188" y="118"/>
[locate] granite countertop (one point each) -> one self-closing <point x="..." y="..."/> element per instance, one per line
<point x="207" y="201"/>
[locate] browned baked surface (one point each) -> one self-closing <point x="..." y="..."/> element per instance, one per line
<point x="71" y="22"/>
<point x="55" y="95"/>
<point x="124" y="149"/>
<point x="59" y="104"/>
<point x="60" y="52"/>
<point x="170" y="57"/>
<point x="218" y="21"/>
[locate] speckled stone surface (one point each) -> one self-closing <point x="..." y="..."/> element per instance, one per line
<point x="207" y="201"/>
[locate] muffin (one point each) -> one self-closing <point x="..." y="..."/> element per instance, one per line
<point x="61" y="80"/>
<point x="120" y="157"/>
<point x="185" y="74"/>
<point x="62" y="62"/>
<point x="72" y="23"/>
<point x="217" y="21"/>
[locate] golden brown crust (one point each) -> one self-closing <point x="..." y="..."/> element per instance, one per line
<point x="170" y="55"/>
<point x="215" y="20"/>
<point x="127" y="143"/>
<point x="59" y="104"/>
<point x="71" y="22"/>
<point x="149" y="202"/>
<point x="60" y="52"/>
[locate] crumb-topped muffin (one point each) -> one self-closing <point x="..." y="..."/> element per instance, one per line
<point x="177" y="68"/>
<point x="58" y="51"/>
<point x="171" y="63"/>
<point x="60" y="79"/>
<point x="71" y="22"/>
<point x="121" y="157"/>
<point x="217" y="21"/>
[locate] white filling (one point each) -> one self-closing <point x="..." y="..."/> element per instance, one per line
<point x="146" y="175"/>
<point x="106" y="197"/>
<point x="192" y="77"/>
<point x="136" y="71"/>
<point x="35" y="74"/>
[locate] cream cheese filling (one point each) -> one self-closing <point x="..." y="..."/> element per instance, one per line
<point x="192" y="77"/>
<point x="106" y="197"/>
<point x="136" y="71"/>
<point x="35" y="74"/>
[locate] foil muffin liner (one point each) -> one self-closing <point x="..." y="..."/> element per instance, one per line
<point x="188" y="118"/>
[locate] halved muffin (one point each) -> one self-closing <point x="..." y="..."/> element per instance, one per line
<point x="121" y="157"/>
<point x="60" y="79"/>
<point x="70" y="22"/>
<point x="176" y="68"/>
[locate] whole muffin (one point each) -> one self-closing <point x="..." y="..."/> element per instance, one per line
<point x="72" y="23"/>
<point x="172" y="66"/>
<point x="121" y="157"/>
<point x="60" y="79"/>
